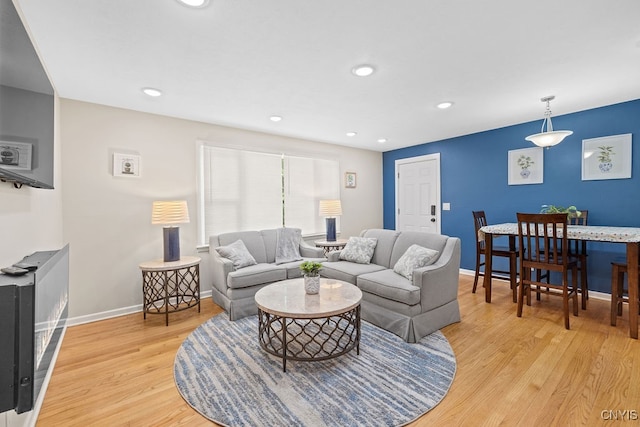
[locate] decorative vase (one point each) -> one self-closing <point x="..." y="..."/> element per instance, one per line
<point x="605" y="166"/>
<point x="311" y="284"/>
<point x="524" y="173"/>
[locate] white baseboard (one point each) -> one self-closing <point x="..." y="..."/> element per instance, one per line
<point x="592" y="294"/>
<point x="79" y="320"/>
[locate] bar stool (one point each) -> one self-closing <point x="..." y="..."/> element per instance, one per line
<point x="619" y="294"/>
<point x="479" y="221"/>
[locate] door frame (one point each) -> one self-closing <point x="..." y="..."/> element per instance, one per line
<point x="427" y="157"/>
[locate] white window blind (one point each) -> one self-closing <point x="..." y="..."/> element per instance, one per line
<point x="245" y="190"/>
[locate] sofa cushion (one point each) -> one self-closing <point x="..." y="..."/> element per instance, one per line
<point x="347" y="271"/>
<point x="293" y="268"/>
<point x="384" y="247"/>
<point x="414" y="257"/>
<point x="426" y="240"/>
<point x="255" y="275"/>
<point x="253" y="240"/>
<point x="238" y="253"/>
<point x="387" y="284"/>
<point x="359" y="250"/>
<point x="288" y="245"/>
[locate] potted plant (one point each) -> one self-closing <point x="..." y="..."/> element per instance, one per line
<point x="311" y="272"/>
<point x="571" y="211"/>
<point x="605" y="158"/>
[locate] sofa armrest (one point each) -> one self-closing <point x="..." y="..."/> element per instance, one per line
<point x="438" y="282"/>
<point x="308" y="251"/>
<point x="333" y="256"/>
<point x="220" y="269"/>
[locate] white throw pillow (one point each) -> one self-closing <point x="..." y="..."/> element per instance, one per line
<point x="414" y="257"/>
<point x="359" y="249"/>
<point x="238" y="253"/>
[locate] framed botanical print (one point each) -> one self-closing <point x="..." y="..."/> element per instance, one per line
<point x="526" y="166"/>
<point x="608" y="157"/>
<point x="350" y="180"/>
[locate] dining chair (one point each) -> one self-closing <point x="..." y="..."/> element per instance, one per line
<point x="479" y="221"/>
<point x="543" y="245"/>
<point x="619" y="292"/>
<point x="578" y="249"/>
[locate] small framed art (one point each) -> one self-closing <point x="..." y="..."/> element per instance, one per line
<point x="15" y="155"/>
<point x="350" y="180"/>
<point x="608" y="157"/>
<point x="526" y="166"/>
<point x="127" y="165"/>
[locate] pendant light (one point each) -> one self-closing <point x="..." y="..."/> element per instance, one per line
<point x="550" y="137"/>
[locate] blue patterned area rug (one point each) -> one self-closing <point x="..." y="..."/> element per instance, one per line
<point x="222" y="372"/>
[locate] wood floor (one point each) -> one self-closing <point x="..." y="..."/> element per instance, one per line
<point x="511" y="371"/>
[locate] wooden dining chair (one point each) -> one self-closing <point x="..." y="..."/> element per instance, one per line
<point x="578" y="249"/>
<point x="619" y="292"/>
<point x="479" y="221"/>
<point x="543" y="245"/>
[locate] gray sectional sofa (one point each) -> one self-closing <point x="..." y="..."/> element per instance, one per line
<point x="234" y="288"/>
<point x="412" y="308"/>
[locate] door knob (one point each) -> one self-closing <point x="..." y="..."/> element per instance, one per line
<point x="433" y="220"/>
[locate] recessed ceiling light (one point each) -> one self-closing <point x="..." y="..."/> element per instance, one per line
<point x="352" y="133"/>
<point x="363" y="70"/>
<point x="152" y="91"/>
<point x="382" y="140"/>
<point x="444" y="105"/>
<point x="194" y="3"/>
<point x="275" y="118"/>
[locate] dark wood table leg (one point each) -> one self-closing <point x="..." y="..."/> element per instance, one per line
<point x="488" y="261"/>
<point x="632" y="270"/>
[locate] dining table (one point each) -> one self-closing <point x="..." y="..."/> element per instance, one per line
<point x="630" y="236"/>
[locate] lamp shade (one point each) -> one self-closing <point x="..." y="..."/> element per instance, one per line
<point x="548" y="139"/>
<point x="170" y="212"/>
<point x="330" y="208"/>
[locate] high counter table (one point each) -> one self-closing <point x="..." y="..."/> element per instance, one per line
<point x="627" y="235"/>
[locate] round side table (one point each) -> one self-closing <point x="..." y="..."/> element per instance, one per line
<point x="328" y="246"/>
<point x="168" y="287"/>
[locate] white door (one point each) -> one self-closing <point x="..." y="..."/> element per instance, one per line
<point x="418" y="194"/>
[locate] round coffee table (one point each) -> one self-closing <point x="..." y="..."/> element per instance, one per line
<point x="295" y="326"/>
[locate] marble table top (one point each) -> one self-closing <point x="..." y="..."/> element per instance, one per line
<point x="597" y="233"/>
<point x="288" y="299"/>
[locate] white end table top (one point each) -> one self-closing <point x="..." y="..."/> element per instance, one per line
<point x="160" y="265"/>
<point x="288" y="299"/>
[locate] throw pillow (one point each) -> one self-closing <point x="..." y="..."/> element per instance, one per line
<point x="414" y="257"/>
<point x="359" y="249"/>
<point x="238" y="253"/>
<point x="288" y="245"/>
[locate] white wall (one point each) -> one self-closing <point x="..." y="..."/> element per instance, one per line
<point x="31" y="218"/>
<point x="107" y="219"/>
<point x="30" y="221"/>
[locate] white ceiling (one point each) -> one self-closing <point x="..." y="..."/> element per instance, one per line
<point x="236" y="62"/>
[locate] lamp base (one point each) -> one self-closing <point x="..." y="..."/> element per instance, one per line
<point x="171" y="243"/>
<point x="331" y="229"/>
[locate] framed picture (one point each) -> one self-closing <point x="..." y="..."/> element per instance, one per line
<point x="350" y="180"/>
<point x="15" y="155"/>
<point x="608" y="157"/>
<point x="127" y="165"/>
<point x="526" y="166"/>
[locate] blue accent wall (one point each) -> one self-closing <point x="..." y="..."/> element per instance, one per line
<point x="474" y="176"/>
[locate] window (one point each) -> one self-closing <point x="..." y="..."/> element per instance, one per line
<point x="247" y="190"/>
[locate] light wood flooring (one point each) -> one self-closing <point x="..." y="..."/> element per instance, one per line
<point x="511" y="371"/>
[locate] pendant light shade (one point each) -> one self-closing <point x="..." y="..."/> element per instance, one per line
<point x="549" y="137"/>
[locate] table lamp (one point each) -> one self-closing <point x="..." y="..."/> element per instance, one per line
<point x="169" y="213"/>
<point x="330" y="209"/>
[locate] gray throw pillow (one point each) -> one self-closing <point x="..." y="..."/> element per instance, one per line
<point x="359" y="249"/>
<point x="288" y="245"/>
<point x="414" y="257"/>
<point x="237" y="253"/>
